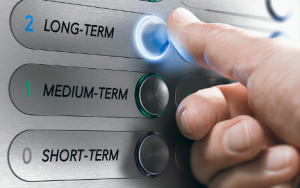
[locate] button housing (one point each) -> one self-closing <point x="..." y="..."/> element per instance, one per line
<point x="152" y="95"/>
<point x="152" y="37"/>
<point x="152" y="154"/>
<point x="280" y="10"/>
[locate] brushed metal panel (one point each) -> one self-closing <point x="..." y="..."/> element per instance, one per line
<point x="256" y="8"/>
<point x="73" y="91"/>
<point x="171" y="67"/>
<point x="245" y="7"/>
<point x="254" y="15"/>
<point x="76" y="28"/>
<point x="32" y="155"/>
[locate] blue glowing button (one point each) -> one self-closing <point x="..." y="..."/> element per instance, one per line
<point x="152" y="37"/>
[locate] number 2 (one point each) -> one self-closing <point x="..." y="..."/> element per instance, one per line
<point x="30" y="23"/>
<point x="28" y="88"/>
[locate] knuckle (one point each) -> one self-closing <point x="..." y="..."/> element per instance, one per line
<point x="214" y="30"/>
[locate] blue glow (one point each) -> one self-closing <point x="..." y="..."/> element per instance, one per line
<point x="278" y="34"/>
<point x="156" y="39"/>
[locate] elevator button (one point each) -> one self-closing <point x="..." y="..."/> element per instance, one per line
<point x="152" y="37"/>
<point x="280" y="10"/>
<point x="192" y="84"/>
<point x="152" y="95"/>
<point x="152" y="154"/>
<point x="182" y="156"/>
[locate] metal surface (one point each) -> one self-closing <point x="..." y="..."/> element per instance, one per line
<point x="171" y="67"/>
<point x="154" y="95"/>
<point x="54" y="155"/>
<point x="74" y="91"/>
<point x="154" y="154"/>
<point x="259" y="8"/>
<point x="76" y="28"/>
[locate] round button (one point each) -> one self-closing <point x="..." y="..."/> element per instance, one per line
<point x="152" y="154"/>
<point x="152" y="37"/>
<point x="152" y="95"/>
<point x="280" y="10"/>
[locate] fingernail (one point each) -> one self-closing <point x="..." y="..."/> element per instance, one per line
<point x="277" y="159"/>
<point x="184" y="16"/>
<point x="236" y="138"/>
<point x="184" y="122"/>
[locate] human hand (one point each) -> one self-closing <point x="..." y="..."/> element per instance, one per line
<point x="247" y="134"/>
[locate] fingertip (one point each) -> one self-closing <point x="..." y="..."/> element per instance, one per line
<point x="181" y="27"/>
<point x="275" y="167"/>
<point x="228" y="144"/>
<point x="256" y="133"/>
<point x="244" y="136"/>
<point x="283" y="159"/>
<point x="195" y="116"/>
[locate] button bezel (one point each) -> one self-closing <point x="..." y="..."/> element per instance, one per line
<point x="139" y="42"/>
<point x="138" y="100"/>
<point x="137" y="155"/>
<point x="275" y="16"/>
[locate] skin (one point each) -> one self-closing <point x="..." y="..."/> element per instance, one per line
<point x="246" y="134"/>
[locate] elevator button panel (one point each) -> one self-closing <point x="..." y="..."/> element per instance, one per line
<point x="71" y="91"/>
<point x="48" y="25"/>
<point x="54" y="155"/>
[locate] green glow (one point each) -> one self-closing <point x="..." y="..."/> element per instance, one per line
<point x="28" y="88"/>
<point x="188" y="93"/>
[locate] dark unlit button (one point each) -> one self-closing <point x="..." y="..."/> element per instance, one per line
<point x="152" y="95"/>
<point x="152" y="154"/>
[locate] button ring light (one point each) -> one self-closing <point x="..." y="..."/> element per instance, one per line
<point x="152" y="95"/>
<point x="152" y="37"/>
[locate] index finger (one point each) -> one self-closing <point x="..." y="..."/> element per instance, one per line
<point x="230" y="51"/>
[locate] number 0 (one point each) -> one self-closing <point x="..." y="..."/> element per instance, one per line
<point x="24" y="153"/>
<point x="30" y="23"/>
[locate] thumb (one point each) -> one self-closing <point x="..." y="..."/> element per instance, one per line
<point x="268" y="68"/>
<point x="230" y="51"/>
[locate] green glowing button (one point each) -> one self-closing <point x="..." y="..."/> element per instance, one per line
<point x="152" y="95"/>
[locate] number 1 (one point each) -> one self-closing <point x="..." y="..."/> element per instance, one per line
<point x="28" y="88"/>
